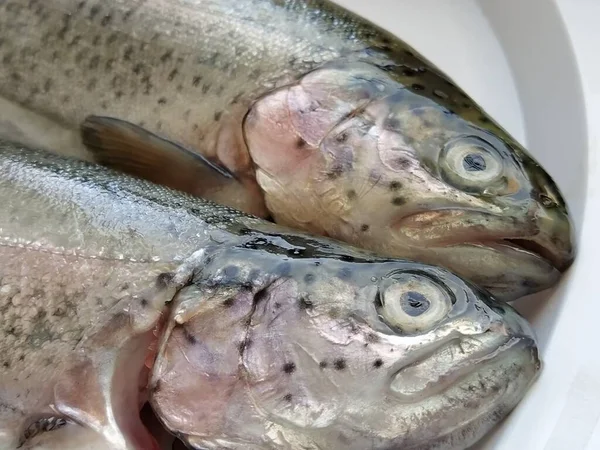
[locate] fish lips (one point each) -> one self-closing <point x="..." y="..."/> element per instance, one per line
<point x="545" y="237"/>
<point x="449" y="362"/>
<point x="448" y="366"/>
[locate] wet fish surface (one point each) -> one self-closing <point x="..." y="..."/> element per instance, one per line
<point x="295" y="110"/>
<point x="241" y="334"/>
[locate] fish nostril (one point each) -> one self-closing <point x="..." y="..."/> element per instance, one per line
<point x="547" y="201"/>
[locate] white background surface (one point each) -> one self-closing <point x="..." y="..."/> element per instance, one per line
<point x="534" y="65"/>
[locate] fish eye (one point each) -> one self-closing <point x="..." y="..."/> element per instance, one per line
<point x="413" y="303"/>
<point x="470" y="163"/>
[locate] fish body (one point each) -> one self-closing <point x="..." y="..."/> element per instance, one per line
<point x="295" y="110"/>
<point x="240" y="333"/>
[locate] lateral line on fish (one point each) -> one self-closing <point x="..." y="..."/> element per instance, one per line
<point x="39" y="248"/>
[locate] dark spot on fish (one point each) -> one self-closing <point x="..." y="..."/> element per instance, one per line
<point x="7" y="59"/>
<point x="309" y="278"/>
<point x="418" y="87"/>
<point x="104" y="105"/>
<point x="106" y="20"/>
<point x="127" y="53"/>
<point x="351" y="194"/>
<point x="205" y="88"/>
<point x="283" y="269"/>
<point x="402" y="163"/>
<point x="231" y="271"/>
<point x="398" y="201"/>
<point x="218" y="115"/>
<point x="157" y="386"/>
<point x="6" y="365"/>
<point x="15" y="76"/>
<point x="377" y="363"/>
<point x="305" y="303"/>
<point x="346" y="258"/>
<point x="317" y="263"/>
<point x="228" y="303"/>
<point x="391" y="123"/>
<point x="109" y="64"/>
<point x="127" y="15"/>
<point x="94" y="62"/>
<point x="395" y="185"/>
<point x="112" y="38"/>
<point x="466" y="105"/>
<point x="55" y="55"/>
<point x="409" y="53"/>
<point x="74" y="41"/>
<point x="34" y="91"/>
<point x="138" y="68"/>
<point x="289" y="367"/>
<point x="344" y="273"/>
<point x="323" y="364"/>
<point x="162" y="101"/>
<point x="408" y="72"/>
<point x="92" y="84"/>
<point x="364" y="227"/>
<point x="164" y="279"/>
<point x="172" y="74"/>
<point x="96" y="40"/>
<point x="189" y="337"/>
<point x="196" y="80"/>
<point x="288" y="397"/>
<point x="300" y="143"/>
<point x="484" y="119"/>
<point x="80" y="5"/>
<point x="118" y="94"/>
<point x="237" y="98"/>
<point x="167" y="56"/>
<point x="342" y="137"/>
<point x="63" y="31"/>
<point x="94" y="10"/>
<point x="335" y="172"/>
<point x="529" y="283"/>
<point x="146" y="81"/>
<point x="143" y="302"/>
<point x="255" y="74"/>
<point x="339" y="364"/>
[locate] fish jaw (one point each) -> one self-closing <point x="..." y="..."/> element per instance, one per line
<point x="317" y="357"/>
<point x="349" y="152"/>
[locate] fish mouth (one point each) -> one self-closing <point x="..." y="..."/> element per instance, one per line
<point x="539" y="250"/>
<point x="546" y="237"/>
<point x="447" y="366"/>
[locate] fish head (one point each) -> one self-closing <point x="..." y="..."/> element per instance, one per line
<point x="343" y="354"/>
<point x="352" y="153"/>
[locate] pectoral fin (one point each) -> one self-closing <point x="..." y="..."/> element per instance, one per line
<point x="131" y="149"/>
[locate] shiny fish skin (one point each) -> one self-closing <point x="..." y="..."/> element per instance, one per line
<point x="278" y="331"/>
<point x="328" y="123"/>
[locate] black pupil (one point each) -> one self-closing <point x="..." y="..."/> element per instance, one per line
<point x="414" y="304"/>
<point x="474" y="162"/>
